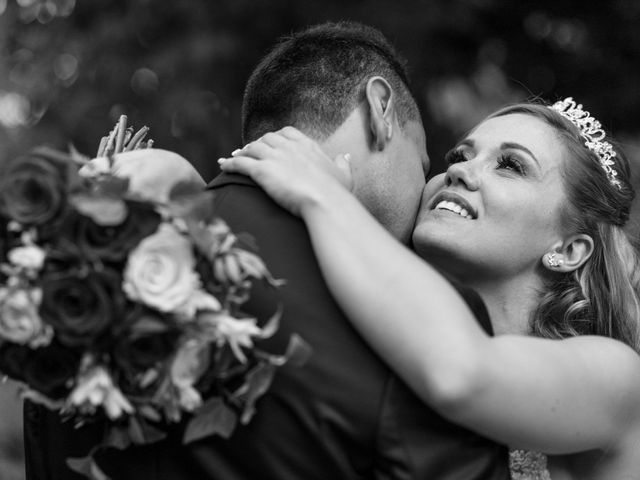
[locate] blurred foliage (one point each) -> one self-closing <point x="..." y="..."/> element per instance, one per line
<point x="68" y="69"/>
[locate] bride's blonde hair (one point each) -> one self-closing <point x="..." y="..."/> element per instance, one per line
<point x="603" y="296"/>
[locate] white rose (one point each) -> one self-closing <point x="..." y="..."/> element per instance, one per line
<point x="152" y="173"/>
<point x="95" y="168"/>
<point x="19" y="319"/>
<point x="28" y="256"/>
<point x="160" y="270"/>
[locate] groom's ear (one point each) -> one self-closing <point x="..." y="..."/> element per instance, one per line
<point x="382" y="110"/>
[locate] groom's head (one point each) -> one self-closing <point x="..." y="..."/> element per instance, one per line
<point x="344" y="85"/>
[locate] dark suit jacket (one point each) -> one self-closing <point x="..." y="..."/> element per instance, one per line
<point x="343" y="415"/>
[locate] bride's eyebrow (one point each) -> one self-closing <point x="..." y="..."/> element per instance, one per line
<point x="467" y="142"/>
<point x="517" y="146"/>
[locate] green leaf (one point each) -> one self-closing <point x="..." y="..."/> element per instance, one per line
<point x="141" y="433"/>
<point x="51" y="154"/>
<point x="298" y="351"/>
<point x="212" y="418"/>
<point x="272" y="324"/>
<point x="192" y="207"/>
<point x="118" y="437"/>
<point x="113" y="186"/>
<point x="184" y="189"/>
<point x="149" y="412"/>
<point x="205" y="241"/>
<point x="258" y="382"/>
<point x="88" y="467"/>
<point x="76" y="156"/>
<point x="147" y="325"/>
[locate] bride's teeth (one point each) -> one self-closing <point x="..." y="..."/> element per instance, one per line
<point x="453" y="207"/>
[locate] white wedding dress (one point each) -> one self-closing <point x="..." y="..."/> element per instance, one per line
<point x="525" y="465"/>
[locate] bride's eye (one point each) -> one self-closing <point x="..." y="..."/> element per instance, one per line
<point x="454" y="156"/>
<point x="509" y="162"/>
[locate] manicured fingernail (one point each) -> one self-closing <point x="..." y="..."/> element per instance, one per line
<point x="347" y="156"/>
<point x="221" y="161"/>
<point x="236" y="152"/>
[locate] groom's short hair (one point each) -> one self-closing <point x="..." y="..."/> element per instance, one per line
<point x="314" y="79"/>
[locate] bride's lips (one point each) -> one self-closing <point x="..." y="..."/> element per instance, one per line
<point x="447" y="196"/>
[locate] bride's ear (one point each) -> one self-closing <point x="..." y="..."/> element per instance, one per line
<point x="382" y="110"/>
<point x="570" y="255"/>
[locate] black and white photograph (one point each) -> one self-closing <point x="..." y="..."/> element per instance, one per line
<point x="319" y="240"/>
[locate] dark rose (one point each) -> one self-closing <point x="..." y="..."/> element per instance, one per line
<point x="80" y="306"/>
<point x="50" y="369"/>
<point x="110" y="243"/>
<point x="13" y="358"/>
<point x="147" y="342"/>
<point x="33" y="189"/>
<point x="7" y="239"/>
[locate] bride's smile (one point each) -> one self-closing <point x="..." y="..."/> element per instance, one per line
<point x="452" y="202"/>
<point x="500" y="205"/>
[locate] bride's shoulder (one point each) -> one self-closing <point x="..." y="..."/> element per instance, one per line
<point x="616" y="363"/>
<point x="613" y="367"/>
<point x="606" y="353"/>
<point x="607" y="368"/>
<point x="599" y="345"/>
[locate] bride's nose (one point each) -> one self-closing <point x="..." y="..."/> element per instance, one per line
<point x="465" y="174"/>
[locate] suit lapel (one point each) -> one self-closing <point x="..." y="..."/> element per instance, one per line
<point x="225" y="179"/>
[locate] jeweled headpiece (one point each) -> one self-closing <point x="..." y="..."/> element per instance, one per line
<point x="592" y="133"/>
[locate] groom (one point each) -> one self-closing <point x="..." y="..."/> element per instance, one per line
<point x="343" y="415"/>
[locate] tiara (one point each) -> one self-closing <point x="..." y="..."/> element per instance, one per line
<point x="592" y="133"/>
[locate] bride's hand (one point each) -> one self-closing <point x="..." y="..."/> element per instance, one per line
<point x="291" y="168"/>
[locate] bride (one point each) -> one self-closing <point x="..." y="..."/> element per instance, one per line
<point x="530" y="214"/>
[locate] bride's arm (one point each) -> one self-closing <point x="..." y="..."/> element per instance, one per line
<point x="547" y="395"/>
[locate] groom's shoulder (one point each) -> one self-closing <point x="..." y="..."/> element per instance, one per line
<point x="238" y="199"/>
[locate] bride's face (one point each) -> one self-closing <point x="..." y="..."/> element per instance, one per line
<point x="496" y="210"/>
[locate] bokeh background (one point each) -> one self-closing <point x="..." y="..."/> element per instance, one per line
<point x="69" y="68"/>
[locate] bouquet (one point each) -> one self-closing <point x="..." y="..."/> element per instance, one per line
<point x="117" y="306"/>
